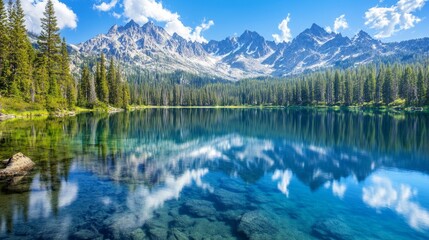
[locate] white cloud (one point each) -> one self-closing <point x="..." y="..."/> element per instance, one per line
<point x="383" y="194"/>
<point x="338" y="189"/>
<point x="340" y="23"/>
<point x="388" y="20"/>
<point x="34" y="9"/>
<point x="105" y="7"/>
<point x="283" y="178"/>
<point x="286" y="35"/>
<point x="143" y="10"/>
<point x="116" y="15"/>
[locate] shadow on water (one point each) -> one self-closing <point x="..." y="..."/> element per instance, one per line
<point x="143" y="150"/>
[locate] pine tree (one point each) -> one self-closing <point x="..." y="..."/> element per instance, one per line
<point x="113" y="87"/>
<point x="4" y="43"/>
<point x="337" y="88"/>
<point x="50" y="46"/>
<point x="19" y="81"/>
<point x="369" y="87"/>
<point x="68" y="89"/>
<point x="388" y="93"/>
<point x="411" y="89"/>
<point x="84" y="87"/>
<point x="348" y="90"/>
<point x="102" y="88"/>
<point x="40" y="78"/>
<point x="125" y="95"/>
<point x="421" y="87"/>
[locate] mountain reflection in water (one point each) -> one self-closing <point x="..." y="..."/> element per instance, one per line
<point x="113" y="175"/>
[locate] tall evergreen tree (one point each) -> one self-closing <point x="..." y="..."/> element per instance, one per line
<point x="102" y="88"/>
<point x="337" y="88"/>
<point x="113" y="86"/>
<point x="369" y="87"/>
<point x="50" y="46"/>
<point x="84" y="87"/>
<point x="421" y="87"/>
<point x="68" y="88"/>
<point x="19" y="81"/>
<point x="388" y="95"/>
<point x="40" y="78"/>
<point x="4" y="43"/>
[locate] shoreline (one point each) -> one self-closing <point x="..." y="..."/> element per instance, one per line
<point x="60" y="114"/>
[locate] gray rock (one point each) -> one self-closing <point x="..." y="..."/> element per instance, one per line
<point x="234" y="185"/>
<point x="85" y="234"/>
<point x="255" y="225"/>
<point x="138" y="234"/>
<point x="175" y="234"/>
<point x="17" y="165"/>
<point x="183" y="221"/>
<point x="229" y="199"/>
<point x="331" y="229"/>
<point x="200" y="208"/>
<point x="158" y="233"/>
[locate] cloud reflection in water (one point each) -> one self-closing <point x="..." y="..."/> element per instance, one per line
<point x="382" y="193"/>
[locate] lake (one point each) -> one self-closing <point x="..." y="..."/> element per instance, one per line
<point x="219" y="174"/>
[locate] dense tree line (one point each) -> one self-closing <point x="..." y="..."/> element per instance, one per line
<point x="375" y="85"/>
<point x="33" y="75"/>
<point x="104" y="87"/>
<point x="42" y="75"/>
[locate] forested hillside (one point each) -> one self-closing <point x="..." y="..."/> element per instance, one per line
<point x="384" y="84"/>
<point x="38" y="77"/>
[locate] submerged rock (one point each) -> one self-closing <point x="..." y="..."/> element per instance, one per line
<point x="256" y="225"/>
<point x="138" y="234"/>
<point x="230" y="199"/>
<point x="17" y="165"/>
<point x="200" y="208"/>
<point x="331" y="229"/>
<point x="86" y="234"/>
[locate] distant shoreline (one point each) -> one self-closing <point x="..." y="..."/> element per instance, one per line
<point x="45" y="114"/>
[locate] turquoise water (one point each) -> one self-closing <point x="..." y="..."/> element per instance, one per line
<point x="219" y="174"/>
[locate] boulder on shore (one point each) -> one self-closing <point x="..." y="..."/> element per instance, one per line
<point x="17" y="165"/>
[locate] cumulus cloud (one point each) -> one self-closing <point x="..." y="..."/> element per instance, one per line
<point x="286" y="34"/>
<point x="116" y="15"/>
<point x="34" y="12"/>
<point x="388" y="20"/>
<point x="339" y="23"/>
<point x="105" y="7"/>
<point x="382" y="193"/>
<point x="142" y="11"/>
<point x="283" y="178"/>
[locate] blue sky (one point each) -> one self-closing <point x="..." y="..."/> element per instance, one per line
<point x="201" y="20"/>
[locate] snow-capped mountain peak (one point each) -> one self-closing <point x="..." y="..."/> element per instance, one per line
<point x="249" y="55"/>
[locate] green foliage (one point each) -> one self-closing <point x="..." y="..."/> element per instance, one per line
<point x="102" y="88"/>
<point x="50" y="46"/>
<point x="398" y="103"/>
<point x="367" y="85"/>
<point x="40" y="77"/>
<point x="15" y="105"/>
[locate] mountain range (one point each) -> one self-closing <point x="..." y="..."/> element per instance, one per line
<point x="249" y="55"/>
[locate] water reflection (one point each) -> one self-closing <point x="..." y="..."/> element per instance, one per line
<point x="152" y="156"/>
<point x="383" y="194"/>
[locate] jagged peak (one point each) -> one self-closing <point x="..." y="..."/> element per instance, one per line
<point x="315" y="27"/>
<point x="113" y="29"/>
<point x="131" y="24"/>
<point x="250" y="35"/>
<point x="362" y="34"/>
